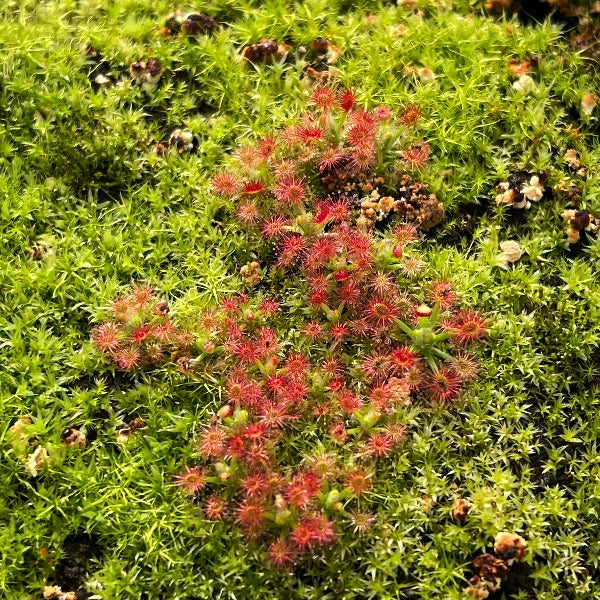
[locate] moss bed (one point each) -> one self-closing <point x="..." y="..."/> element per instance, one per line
<point x="299" y="300"/>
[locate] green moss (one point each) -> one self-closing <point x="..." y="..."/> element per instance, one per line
<point x="77" y="171"/>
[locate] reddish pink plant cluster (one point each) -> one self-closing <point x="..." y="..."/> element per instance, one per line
<point x="355" y="291"/>
<point x="316" y="388"/>
<point x="344" y="372"/>
<point x="141" y="332"/>
<point x="336" y="149"/>
<point x="273" y="396"/>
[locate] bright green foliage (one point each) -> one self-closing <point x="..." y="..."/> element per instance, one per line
<point x="79" y="177"/>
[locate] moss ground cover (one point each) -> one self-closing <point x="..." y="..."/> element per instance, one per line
<point x="108" y="161"/>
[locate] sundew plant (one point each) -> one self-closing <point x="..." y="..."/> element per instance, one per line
<point x="300" y="300"/>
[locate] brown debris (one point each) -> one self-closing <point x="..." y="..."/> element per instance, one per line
<point x="429" y="213"/>
<point x="198" y="23"/>
<point x="102" y="80"/>
<point x="418" y="206"/>
<point x="90" y="51"/>
<point x="325" y="55"/>
<point x="136" y="424"/>
<point x="99" y="70"/>
<point x="586" y="43"/>
<point x="578" y="221"/>
<point x="38" y="251"/>
<point x="154" y="70"/>
<point x="572" y="159"/>
<point x="498" y="6"/>
<point x="493" y="568"/>
<point x="54" y="592"/>
<point x="181" y="140"/>
<point x="322" y="76"/>
<point x="567" y="7"/>
<point x="320" y="45"/>
<point x="374" y="209"/>
<point x="423" y="73"/>
<point x="73" y="438"/>
<point x="36" y="460"/>
<point x="489" y="579"/>
<point x="124" y="433"/>
<point x="511" y="252"/>
<point x="190" y="24"/>
<point x="588" y="103"/>
<point x="148" y="72"/>
<point x="521" y="189"/>
<point x="251" y="273"/>
<point x="509" y="547"/>
<point x="519" y="68"/>
<point x="136" y="69"/>
<point x="162" y="308"/>
<point x="408" y="4"/>
<point x="411" y="200"/>
<point x="266" y="51"/>
<point x="460" y="509"/>
<point x="160" y="150"/>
